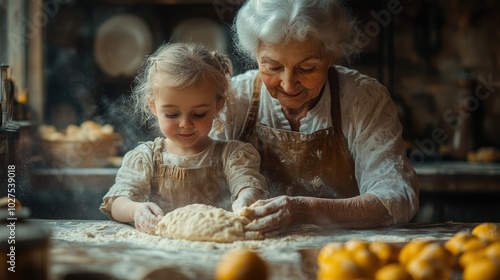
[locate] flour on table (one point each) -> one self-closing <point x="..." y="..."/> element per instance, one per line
<point x="199" y="222"/>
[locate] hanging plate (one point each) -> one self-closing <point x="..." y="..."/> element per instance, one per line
<point x="121" y="44"/>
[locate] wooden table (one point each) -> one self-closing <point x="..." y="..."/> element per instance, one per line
<point x="118" y="251"/>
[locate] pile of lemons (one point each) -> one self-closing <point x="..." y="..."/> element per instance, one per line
<point x="470" y="255"/>
<point x="477" y="253"/>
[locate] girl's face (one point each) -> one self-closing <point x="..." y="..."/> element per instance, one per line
<point x="293" y="73"/>
<point x="185" y="117"/>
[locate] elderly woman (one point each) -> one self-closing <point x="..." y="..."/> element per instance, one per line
<point x="329" y="137"/>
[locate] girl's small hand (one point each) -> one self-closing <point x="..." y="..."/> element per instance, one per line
<point x="245" y="198"/>
<point x="275" y="214"/>
<point x="147" y="215"/>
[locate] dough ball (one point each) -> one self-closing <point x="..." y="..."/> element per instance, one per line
<point x="199" y="222"/>
<point x="90" y="125"/>
<point x="487" y="154"/>
<point x="46" y="131"/>
<point x="484" y="154"/>
<point x="73" y="133"/>
<point x="107" y="129"/>
<point x="55" y="136"/>
<point x="241" y="264"/>
<point x="107" y="132"/>
<point x="93" y="135"/>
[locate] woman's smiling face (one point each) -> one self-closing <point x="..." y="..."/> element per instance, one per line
<point x="294" y="73"/>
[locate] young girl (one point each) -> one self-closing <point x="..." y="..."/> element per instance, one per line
<point x="183" y="87"/>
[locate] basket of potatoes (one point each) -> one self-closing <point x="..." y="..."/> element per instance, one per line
<point x="87" y="145"/>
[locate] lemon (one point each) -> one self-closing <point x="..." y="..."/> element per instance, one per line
<point x="493" y="251"/>
<point x="356" y="244"/>
<point x="437" y="254"/>
<point x="328" y="251"/>
<point x="341" y="269"/>
<point x="367" y="260"/>
<point x="392" y="271"/>
<point x="456" y="243"/>
<point x="241" y="264"/>
<point x="482" y="268"/>
<point x="386" y="253"/>
<point x="474" y="244"/>
<point x="338" y="256"/>
<point x="424" y="269"/>
<point x="411" y="249"/>
<point x="487" y="231"/>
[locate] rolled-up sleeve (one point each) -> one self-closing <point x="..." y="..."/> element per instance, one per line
<point x="241" y="166"/>
<point x="133" y="179"/>
<point x="374" y="135"/>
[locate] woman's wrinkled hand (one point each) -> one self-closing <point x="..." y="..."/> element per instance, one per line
<point x="147" y="215"/>
<point x="275" y="214"/>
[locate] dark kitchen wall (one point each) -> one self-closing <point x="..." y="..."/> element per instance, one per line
<point x="443" y="51"/>
<point x="440" y="60"/>
<point x="78" y="88"/>
<point x="420" y="50"/>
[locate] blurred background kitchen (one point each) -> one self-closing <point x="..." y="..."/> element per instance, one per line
<point x="68" y="65"/>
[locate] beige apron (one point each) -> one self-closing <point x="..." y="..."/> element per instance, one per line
<point x="296" y="164"/>
<point x="173" y="187"/>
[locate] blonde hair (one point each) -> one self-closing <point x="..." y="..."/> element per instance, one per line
<point x="279" y="21"/>
<point x="180" y="65"/>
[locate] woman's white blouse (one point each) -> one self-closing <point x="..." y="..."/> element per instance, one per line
<point x="370" y="124"/>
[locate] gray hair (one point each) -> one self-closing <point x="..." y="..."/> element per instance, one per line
<point x="279" y="21"/>
<point x="180" y="65"/>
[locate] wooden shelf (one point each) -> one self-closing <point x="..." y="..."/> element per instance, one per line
<point x="459" y="177"/>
